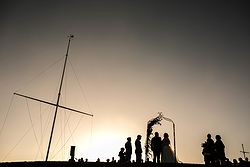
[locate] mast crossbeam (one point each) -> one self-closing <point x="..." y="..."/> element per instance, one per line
<point x="57" y="105"/>
<point x="50" y="103"/>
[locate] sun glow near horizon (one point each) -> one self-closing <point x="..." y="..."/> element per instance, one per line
<point x="189" y="60"/>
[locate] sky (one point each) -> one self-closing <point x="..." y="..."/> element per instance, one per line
<point x="129" y="60"/>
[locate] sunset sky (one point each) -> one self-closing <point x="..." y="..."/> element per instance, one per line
<point x="128" y="61"/>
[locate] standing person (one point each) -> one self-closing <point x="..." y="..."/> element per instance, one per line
<point x="128" y="147"/>
<point x="138" y="149"/>
<point x="167" y="155"/>
<point x="219" y="150"/>
<point x="208" y="150"/>
<point x="156" y="147"/>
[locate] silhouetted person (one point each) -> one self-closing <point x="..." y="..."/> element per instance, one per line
<point x="80" y="160"/>
<point x="167" y="154"/>
<point x="219" y="149"/>
<point x="113" y="160"/>
<point x="228" y="162"/>
<point x="138" y="149"/>
<point x="208" y="150"/>
<point x="128" y="147"/>
<point x="156" y="147"/>
<point x="122" y="155"/>
<point x="241" y="162"/>
<point x="247" y="161"/>
<point x="235" y="162"/>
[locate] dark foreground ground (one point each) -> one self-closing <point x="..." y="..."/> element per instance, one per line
<point x="92" y="164"/>
<point x="103" y="164"/>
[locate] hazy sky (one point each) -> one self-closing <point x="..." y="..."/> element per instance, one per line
<point x="133" y="59"/>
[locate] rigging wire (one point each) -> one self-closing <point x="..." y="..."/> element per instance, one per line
<point x="41" y="73"/>
<point x="48" y="118"/>
<point x="78" y="123"/>
<point x="46" y="125"/>
<point x="41" y="128"/>
<point x="85" y="98"/>
<point x="61" y="134"/>
<point x="6" y="115"/>
<point x="14" y="147"/>
<point x="41" y="132"/>
<point x="65" y="115"/>
<point x="91" y="131"/>
<point x="82" y="90"/>
<point x="67" y="121"/>
<point x="33" y="127"/>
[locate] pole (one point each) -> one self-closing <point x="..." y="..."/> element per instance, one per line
<point x="243" y="151"/>
<point x="174" y="143"/>
<point x="58" y="98"/>
<point x="170" y="120"/>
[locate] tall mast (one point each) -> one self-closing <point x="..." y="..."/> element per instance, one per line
<point x="58" y="97"/>
<point x="58" y="100"/>
<point x="243" y="151"/>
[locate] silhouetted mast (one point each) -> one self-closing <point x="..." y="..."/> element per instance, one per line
<point x="58" y="99"/>
<point x="244" y="152"/>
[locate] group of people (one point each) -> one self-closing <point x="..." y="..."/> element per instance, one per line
<point x="162" y="151"/>
<point x="125" y="153"/>
<point x="213" y="152"/>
